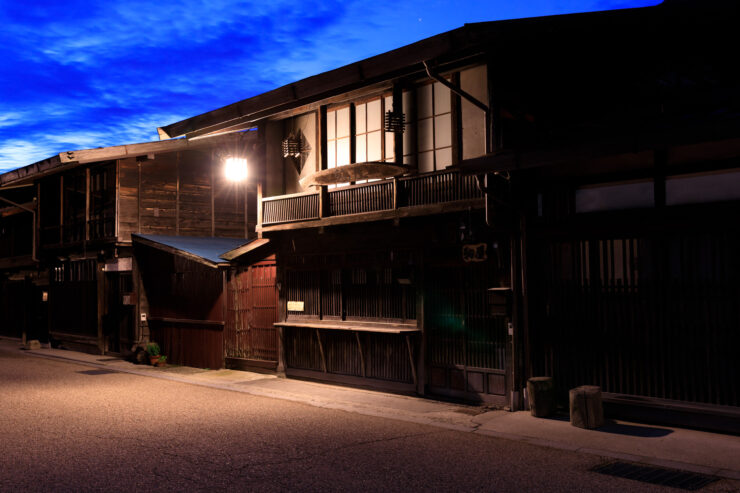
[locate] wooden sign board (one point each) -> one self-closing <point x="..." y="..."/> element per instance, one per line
<point x="295" y="306"/>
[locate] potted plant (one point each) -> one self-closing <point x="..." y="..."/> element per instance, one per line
<point x="152" y="349"/>
<point x="162" y="361"/>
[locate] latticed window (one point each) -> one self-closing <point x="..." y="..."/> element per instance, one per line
<point x="433" y="127"/>
<point x="352" y="293"/>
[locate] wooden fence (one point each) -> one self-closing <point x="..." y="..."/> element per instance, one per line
<point x="654" y="316"/>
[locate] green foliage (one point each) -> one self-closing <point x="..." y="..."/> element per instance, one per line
<point x="152" y="349"/>
<point x="162" y="360"/>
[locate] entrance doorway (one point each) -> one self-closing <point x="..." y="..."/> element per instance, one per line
<point x="250" y="338"/>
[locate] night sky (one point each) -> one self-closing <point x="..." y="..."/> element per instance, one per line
<point x="84" y="74"/>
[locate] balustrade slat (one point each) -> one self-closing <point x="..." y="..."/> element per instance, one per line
<point x="445" y="186"/>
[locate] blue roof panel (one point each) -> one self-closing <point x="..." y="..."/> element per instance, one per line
<point x="207" y="247"/>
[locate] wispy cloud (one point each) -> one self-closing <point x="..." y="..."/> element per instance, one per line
<point x="80" y="74"/>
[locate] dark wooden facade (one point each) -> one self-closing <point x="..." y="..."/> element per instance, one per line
<point x="566" y="215"/>
<point x="88" y="203"/>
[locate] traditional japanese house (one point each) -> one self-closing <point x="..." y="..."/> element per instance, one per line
<point x="547" y="196"/>
<point x="71" y="233"/>
<point x="21" y="291"/>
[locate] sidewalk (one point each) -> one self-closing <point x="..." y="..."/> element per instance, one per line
<point x="674" y="448"/>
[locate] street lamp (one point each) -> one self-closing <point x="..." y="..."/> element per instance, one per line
<point x="235" y="168"/>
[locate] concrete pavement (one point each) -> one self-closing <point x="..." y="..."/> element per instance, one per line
<point x="675" y="448"/>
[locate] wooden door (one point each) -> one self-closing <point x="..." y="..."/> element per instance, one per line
<point x="466" y="339"/>
<point x="250" y="338"/>
<point x="118" y="315"/>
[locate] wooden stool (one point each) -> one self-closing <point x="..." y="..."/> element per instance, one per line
<point x="586" y="410"/>
<point x="540" y="392"/>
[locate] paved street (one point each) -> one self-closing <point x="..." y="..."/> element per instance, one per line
<point x="65" y="426"/>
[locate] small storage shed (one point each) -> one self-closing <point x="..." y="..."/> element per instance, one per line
<point x="183" y="296"/>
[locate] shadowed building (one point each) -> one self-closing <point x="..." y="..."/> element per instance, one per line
<point x="546" y="196"/>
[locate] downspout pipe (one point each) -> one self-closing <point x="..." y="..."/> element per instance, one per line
<point x="33" y="229"/>
<point x="472" y="99"/>
<point x="482" y="180"/>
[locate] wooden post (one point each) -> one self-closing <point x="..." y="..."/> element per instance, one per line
<point x="324" y="202"/>
<point x="456" y="115"/>
<point x="586" y="409"/>
<point x="398" y="138"/>
<point x="87" y="204"/>
<point x="323" y="154"/>
<point x="117" y="226"/>
<point x="421" y="360"/>
<point x="177" y="193"/>
<point x="100" y="283"/>
<point x="213" y="195"/>
<point x="61" y="208"/>
<point x="493" y="127"/>
<point x="281" y="313"/>
<point x="259" y="209"/>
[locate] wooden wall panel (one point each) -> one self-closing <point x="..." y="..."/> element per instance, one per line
<point x="158" y="197"/>
<point x="474" y="81"/>
<point x="128" y="198"/>
<point x="231" y="202"/>
<point x="183" y="194"/>
<point x="195" y="194"/>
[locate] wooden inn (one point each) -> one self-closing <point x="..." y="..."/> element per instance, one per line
<point x="548" y="196"/>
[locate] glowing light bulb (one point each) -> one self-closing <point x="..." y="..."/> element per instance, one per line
<point x="235" y="168"/>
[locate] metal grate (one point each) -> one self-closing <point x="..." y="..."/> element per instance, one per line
<point x="656" y="475"/>
<point x="96" y="372"/>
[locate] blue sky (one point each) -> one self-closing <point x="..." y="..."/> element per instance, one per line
<point x="83" y="74"/>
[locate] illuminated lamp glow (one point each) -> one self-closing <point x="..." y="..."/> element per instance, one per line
<point x="235" y="168"/>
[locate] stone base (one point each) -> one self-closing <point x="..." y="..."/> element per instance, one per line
<point x="541" y="395"/>
<point x="586" y="409"/>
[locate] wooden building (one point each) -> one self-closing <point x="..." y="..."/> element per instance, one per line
<point x="202" y="312"/>
<point x="547" y="196"/>
<point x="21" y="295"/>
<point x="69" y="221"/>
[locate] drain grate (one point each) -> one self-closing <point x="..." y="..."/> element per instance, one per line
<point x="656" y="475"/>
<point x="96" y="372"/>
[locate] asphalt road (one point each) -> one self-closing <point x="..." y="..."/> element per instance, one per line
<point x="68" y="427"/>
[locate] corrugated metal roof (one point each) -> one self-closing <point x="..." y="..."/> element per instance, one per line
<point x="208" y="248"/>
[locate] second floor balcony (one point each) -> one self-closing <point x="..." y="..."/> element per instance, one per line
<point x="416" y="195"/>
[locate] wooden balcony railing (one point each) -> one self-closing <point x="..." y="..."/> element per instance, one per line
<point x="290" y="208"/>
<point x="385" y="195"/>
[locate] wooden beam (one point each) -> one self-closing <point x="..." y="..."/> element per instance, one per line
<point x="323" y="151"/>
<point x="177" y="193"/>
<point x="398" y="108"/>
<point x="87" y="204"/>
<point x="100" y="284"/>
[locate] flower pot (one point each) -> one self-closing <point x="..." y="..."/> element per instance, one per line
<point x="153" y="360"/>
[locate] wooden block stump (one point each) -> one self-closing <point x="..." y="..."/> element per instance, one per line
<point x="33" y="344"/>
<point x="541" y="396"/>
<point x="586" y="410"/>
